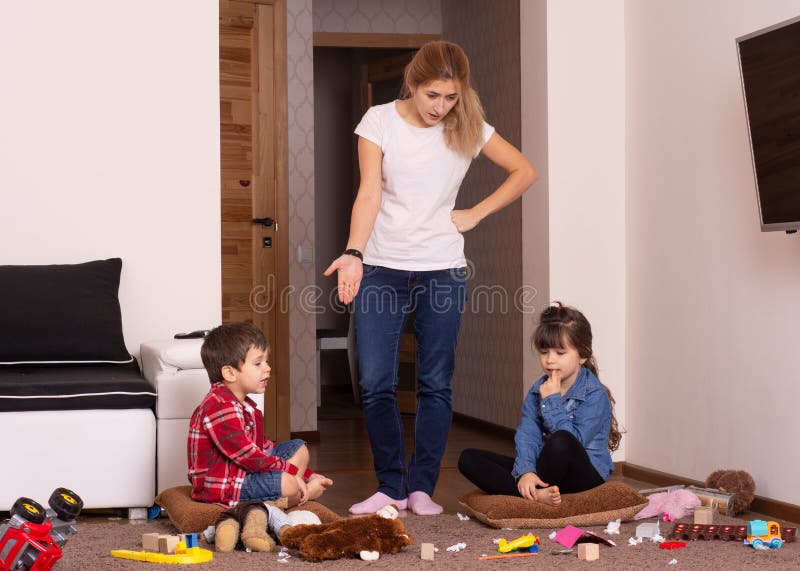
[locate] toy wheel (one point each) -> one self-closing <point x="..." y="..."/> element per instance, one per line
<point x="775" y="543"/>
<point x="66" y="503"/>
<point x="29" y="510"/>
<point x="758" y="543"/>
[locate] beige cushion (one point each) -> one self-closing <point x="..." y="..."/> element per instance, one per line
<point x="190" y="516"/>
<point x="598" y="506"/>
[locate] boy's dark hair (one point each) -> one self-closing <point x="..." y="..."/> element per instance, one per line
<point x="559" y="323"/>
<point x="228" y="344"/>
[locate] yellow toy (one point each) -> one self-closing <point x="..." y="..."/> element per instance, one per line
<point x="528" y="542"/>
<point x="183" y="555"/>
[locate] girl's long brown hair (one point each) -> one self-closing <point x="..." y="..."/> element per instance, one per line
<point x="463" y="125"/>
<point x="558" y="323"/>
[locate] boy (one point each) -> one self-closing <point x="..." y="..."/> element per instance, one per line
<point x="229" y="459"/>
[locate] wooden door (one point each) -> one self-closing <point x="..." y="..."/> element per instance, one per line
<point x="255" y="256"/>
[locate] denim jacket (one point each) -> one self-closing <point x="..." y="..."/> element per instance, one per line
<point x="584" y="410"/>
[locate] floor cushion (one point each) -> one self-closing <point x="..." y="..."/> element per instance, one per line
<point x="190" y="516"/>
<point x="598" y="506"/>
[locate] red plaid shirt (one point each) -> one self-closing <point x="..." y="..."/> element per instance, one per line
<point x="226" y="442"/>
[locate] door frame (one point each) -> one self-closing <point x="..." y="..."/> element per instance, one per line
<point x="277" y="409"/>
<point x="372" y="40"/>
<point x="280" y="421"/>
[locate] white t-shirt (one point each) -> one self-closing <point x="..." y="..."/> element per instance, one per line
<point x="420" y="176"/>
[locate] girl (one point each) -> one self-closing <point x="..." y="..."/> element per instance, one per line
<point x="568" y="426"/>
<point x="413" y="154"/>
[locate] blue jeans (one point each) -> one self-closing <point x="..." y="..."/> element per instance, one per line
<point x="385" y="300"/>
<point x="267" y="486"/>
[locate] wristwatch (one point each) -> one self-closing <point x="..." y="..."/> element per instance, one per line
<point x="354" y="252"/>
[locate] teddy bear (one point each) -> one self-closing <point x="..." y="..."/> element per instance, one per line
<point x="251" y="522"/>
<point x="366" y="537"/>
<point x="736" y="482"/>
<point x="246" y="521"/>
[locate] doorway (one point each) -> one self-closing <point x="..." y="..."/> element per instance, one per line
<point x="347" y="81"/>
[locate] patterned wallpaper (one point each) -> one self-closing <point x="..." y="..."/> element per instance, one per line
<point x="378" y="16"/>
<point x="302" y="324"/>
<point x="488" y="377"/>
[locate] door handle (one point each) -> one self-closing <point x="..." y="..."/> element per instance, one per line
<point x="265" y="222"/>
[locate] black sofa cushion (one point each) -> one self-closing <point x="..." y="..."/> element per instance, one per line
<point x="64" y="313"/>
<point x="74" y="387"/>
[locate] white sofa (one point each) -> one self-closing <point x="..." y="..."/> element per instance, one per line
<point x="174" y="368"/>
<point x="107" y="456"/>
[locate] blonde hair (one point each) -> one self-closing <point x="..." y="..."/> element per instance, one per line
<point x="439" y="60"/>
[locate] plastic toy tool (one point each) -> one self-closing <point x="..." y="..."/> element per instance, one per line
<point x="182" y="556"/>
<point x="31" y="540"/>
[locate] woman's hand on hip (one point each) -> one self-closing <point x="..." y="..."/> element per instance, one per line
<point x="349" y="272"/>
<point x="464" y="220"/>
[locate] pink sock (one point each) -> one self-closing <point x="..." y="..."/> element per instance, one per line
<point x="422" y="504"/>
<point x="375" y="502"/>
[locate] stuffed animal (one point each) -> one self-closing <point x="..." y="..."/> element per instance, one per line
<point x="736" y="482"/>
<point x="366" y="537"/>
<point x="674" y="505"/>
<point x="246" y="521"/>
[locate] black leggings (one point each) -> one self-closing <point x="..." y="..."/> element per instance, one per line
<point x="563" y="462"/>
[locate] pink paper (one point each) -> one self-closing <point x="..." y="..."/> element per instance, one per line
<point x="568" y="536"/>
<point x="571" y="535"/>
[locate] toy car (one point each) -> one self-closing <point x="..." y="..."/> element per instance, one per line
<point x="762" y="534"/>
<point x="31" y="540"/>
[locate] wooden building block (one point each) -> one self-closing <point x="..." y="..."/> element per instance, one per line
<point x="588" y="551"/>
<point x="150" y="541"/>
<point x="427" y="551"/>
<point x="190" y="539"/>
<point x="167" y="543"/>
<point x="704" y="515"/>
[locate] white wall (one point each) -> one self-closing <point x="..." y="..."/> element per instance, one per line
<point x="535" y="207"/>
<point x="712" y="302"/>
<point x="586" y="164"/>
<point x="110" y="147"/>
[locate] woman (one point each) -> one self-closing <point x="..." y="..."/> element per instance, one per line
<point x="413" y="154"/>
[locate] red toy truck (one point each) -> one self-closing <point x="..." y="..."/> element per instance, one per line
<point x="31" y="540"/>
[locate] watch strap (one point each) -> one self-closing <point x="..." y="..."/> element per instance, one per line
<point x="354" y="252"/>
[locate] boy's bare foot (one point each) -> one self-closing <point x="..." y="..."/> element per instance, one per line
<point x="317" y="486"/>
<point x="549" y="496"/>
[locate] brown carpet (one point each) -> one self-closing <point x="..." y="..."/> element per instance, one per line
<point x="89" y="549"/>
<point x="97" y="536"/>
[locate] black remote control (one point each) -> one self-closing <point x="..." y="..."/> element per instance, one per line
<point x="199" y="334"/>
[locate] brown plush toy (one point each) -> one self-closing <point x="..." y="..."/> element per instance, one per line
<point x="736" y="482"/>
<point x="366" y="537"/>
<point x="246" y="521"/>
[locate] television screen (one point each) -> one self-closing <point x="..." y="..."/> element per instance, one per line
<point x="769" y="61"/>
